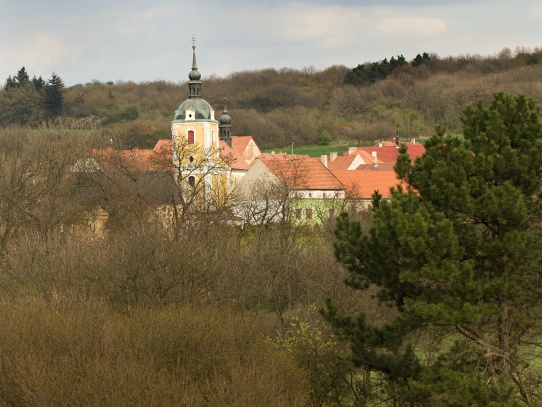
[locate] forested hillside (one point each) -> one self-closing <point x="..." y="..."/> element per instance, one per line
<point x="372" y="101"/>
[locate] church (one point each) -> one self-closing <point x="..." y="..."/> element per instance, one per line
<point x="205" y="155"/>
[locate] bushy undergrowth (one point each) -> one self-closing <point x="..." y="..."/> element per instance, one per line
<point x="84" y="353"/>
<point x="136" y="318"/>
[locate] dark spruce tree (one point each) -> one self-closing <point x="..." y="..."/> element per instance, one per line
<point x="53" y="98"/>
<point x="457" y="251"/>
<point x="38" y="83"/>
<point x="22" y="77"/>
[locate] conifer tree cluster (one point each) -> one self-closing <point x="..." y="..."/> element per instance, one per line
<point x="376" y="71"/>
<point x="30" y="101"/>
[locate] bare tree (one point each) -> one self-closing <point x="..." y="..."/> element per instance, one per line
<point x="38" y="187"/>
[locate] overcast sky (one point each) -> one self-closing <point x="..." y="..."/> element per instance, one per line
<point x="146" y="40"/>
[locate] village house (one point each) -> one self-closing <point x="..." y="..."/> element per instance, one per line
<point x="296" y="187"/>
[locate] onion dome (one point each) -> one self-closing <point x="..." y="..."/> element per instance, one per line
<point x="225" y="118"/>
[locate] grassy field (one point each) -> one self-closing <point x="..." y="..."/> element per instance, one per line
<point x="313" y="151"/>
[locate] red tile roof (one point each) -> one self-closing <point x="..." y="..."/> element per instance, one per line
<point x="134" y="160"/>
<point x="367" y="157"/>
<point x="362" y="184"/>
<point x="341" y="163"/>
<point x="389" y="153"/>
<point x="159" y="158"/>
<point x="164" y="144"/>
<point x="301" y="171"/>
<point x="345" y="163"/>
<point x="246" y="147"/>
<point x="377" y="167"/>
<point x="239" y="143"/>
<point x="232" y="156"/>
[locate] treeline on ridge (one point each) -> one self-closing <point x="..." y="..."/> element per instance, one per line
<point x="373" y="101"/>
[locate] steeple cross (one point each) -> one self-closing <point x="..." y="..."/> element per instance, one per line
<point x="193" y="41"/>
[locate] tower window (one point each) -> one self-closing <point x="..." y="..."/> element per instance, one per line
<point x="190" y="137"/>
<point x="191" y="159"/>
<point x="192" y="181"/>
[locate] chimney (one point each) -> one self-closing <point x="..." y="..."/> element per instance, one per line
<point x="323" y="158"/>
<point x="379" y="145"/>
<point x="374" y="157"/>
<point x="351" y="149"/>
<point x="413" y="141"/>
<point x="397" y="142"/>
<point x="332" y="156"/>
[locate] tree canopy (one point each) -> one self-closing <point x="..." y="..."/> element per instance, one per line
<point x="365" y="75"/>
<point x="28" y="101"/>
<point x="457" y="252"/>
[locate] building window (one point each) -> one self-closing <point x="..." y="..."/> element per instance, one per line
<point x="190" y="137"/>
<point x="308" y="213"/>
<point x="298" y="213"/>
<point x="191" y="159"/>
<point x="192" y="181"/>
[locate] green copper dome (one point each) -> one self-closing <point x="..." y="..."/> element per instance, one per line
<point x="200" y="106"/>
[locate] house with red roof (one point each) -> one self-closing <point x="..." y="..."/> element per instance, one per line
<point x="289" y="186"/>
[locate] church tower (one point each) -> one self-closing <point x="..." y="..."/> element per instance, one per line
<point x="195" y="139"/>
<point x="225" y="126"/>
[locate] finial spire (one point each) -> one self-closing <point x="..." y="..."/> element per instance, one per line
<point x="194" y="66"/>
<point x="225" y="108"/>
<point x="194" y="85"/>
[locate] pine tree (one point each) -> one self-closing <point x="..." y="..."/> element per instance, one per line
<point x="53" y="98"/>
<point x="22" y="77"/>
<point x="10" y="83"/>
<point x="458" y="253"/>
<point x="38" y="83"/>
